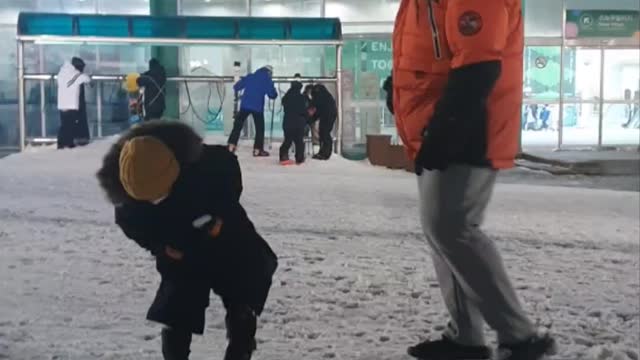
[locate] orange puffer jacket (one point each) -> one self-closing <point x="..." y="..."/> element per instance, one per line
<point x="434" y="37"/>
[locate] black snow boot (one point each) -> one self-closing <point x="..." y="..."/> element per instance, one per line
<point x="241" y="332"/>
<point x="535" y="348"/>
<point x="446" y="349"/>
<point x="176" y="344"/>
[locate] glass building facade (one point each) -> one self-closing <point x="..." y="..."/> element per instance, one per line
<point x="579" y="91"/>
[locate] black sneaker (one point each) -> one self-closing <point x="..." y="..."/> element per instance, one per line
<point x="446" y="349"/>
<point x="260" y="153"/>
<point x="536" y="348"/>
<point x="320" y="157"/>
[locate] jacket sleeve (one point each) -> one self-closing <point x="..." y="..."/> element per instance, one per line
<point x="240" y="85"/>
<point x="477" y="35"/>
<point x="143" y="80"/>
<point x="84" y="79"/>
<point x="152" y="235"/>
<point x="303" y="107"/>
<point x="138" y="229"/>
<point x="272" y="93"/>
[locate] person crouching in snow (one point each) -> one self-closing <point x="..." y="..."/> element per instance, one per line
<point x="295" y="106"/>
<point x="326" y="112"/>
<point x="179" y="199"/>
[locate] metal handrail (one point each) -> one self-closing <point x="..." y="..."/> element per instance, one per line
<point x="189" y="78"/>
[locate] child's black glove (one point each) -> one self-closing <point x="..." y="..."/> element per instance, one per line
<point x="210" y="225"/>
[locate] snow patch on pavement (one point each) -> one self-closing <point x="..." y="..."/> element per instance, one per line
<point x="355" y="280"/>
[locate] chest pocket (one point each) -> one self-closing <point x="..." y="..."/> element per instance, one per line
<point x="422" y="39"/>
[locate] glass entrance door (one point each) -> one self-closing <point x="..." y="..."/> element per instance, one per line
<point x="540" y="110"/>
<point x="581" y="112"/>
<point x="621" y="114"/>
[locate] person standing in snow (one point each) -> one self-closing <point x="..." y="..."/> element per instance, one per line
<point x="153" y="84"/>
<point x="255" y="87"/>
<point x="180" y="199"/>
<point x="326" y="112"/>
<point x="295" y="107"/>
<point x="74" y="129"/>
<point x="457" y="94"/>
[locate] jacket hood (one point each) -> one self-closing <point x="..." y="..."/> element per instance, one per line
<point x="156" y="70"/>
<point x="296" y="86"/>
<point x="78" y="63"/>
<point x="263" y="71"/>
<point x="181" y="139"/>
<point x="154" y="64"/>
<point x="67" y="68"/>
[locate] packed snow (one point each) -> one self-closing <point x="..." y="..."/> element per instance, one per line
<point x="355" y="280"/>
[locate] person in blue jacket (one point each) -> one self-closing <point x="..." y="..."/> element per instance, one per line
<point x="255" y="86"/>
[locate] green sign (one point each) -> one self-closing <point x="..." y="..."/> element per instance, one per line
<point x="602" y="23"/>
<point x="370" y="61"/>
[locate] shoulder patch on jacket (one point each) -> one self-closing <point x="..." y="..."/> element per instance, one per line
<point x="470" y="23"/>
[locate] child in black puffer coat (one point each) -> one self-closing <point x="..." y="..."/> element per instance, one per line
<point x="296" y="119"/>
<point x="179" y="199"/>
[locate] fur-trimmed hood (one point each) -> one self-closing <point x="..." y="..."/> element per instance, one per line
<point x="183" y="141"/>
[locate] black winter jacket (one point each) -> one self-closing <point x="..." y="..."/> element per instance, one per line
<point x="238" y="264"/>
<point x="325" y="104"/>
<point x="154" y="82"/>
<point x="295" y="107"/>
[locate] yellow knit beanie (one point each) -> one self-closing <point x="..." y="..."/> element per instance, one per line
<point x="148" y="168"/>
<point x="131" y="82"/>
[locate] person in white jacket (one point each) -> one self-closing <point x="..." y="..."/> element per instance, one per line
<point x="74" y="129"/>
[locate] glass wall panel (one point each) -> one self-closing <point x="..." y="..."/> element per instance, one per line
<point x="126" y="7"/>
<point x="598" y="4"/>
<point x="621" y="120"/>
<point x="48" y="59"/>
<point x="8" y="87"/>
<point x="543" y="18"/>
<point x="366" y="63"/>
<point x="286" y="8"/>
<point x="582" y="109"/>
<point x="540" y="124"/>
<point x="362" y="10"/>
<point x="367" y="29"/>
<point x="10" y="9"/>
<point x="622" y="73"/>
<point x="209" y="107"/>
<point x="214" y="7"/>
<point x="542" y="95"/>
<point x="77" y="7"/>
<point x="309" y="61"/>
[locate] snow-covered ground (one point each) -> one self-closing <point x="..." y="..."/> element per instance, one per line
<point x="355" y="280"/>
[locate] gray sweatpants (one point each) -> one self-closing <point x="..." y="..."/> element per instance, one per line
<point x="472" y="277"/>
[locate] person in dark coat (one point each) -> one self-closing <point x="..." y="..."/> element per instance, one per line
<point x="295" y="106"/>
<point x="255" y="87"/>
<point x="153" y="82"/>
<point x="326" y="111"/>
<point x="387" y="86"/>
<point x="179" y="199"/>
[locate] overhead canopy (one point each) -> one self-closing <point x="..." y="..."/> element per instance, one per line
<point x="176" y="30"/>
